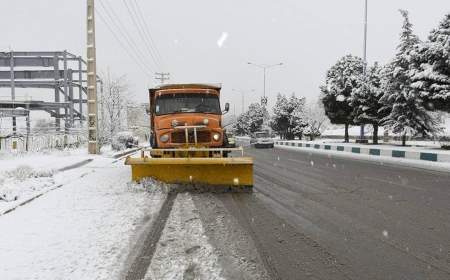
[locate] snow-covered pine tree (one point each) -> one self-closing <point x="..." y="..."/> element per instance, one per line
<point x="296" y="113"/>
<point x="279" y="120"/>
<point x="366" y="100"/>
<point x="337" y="94"/>
<point x="288" y="118"/>
<point x="256" y="115"/>
<point x="250" y="121"/>
<point x="240" y="127"/>
<point x="407" y="112"/>
<point x="430" y="69"/>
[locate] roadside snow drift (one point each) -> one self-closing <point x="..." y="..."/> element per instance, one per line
<point x="82" y="230"/>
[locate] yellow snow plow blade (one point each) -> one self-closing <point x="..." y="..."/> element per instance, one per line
<point x="200" y="171"/>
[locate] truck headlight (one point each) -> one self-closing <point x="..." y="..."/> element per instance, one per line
<point x="216" y="136"/>
<point x="164" y="138"/>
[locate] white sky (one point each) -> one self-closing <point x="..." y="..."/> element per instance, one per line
<point x="211" y="40"/>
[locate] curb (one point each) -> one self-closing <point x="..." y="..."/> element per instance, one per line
<point x="26" y="201"/>
<point x="75" y="165"/>
<point x="121" y="154"/>
<point x="375" y="152"/>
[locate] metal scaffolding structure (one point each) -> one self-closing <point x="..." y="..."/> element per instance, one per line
<point x="62" y="73"/>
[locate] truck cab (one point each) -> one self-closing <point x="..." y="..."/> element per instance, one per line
<point x="186" y="115"/>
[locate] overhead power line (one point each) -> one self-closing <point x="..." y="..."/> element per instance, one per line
<point x="147" y="31"/>
<point x="124" y="47"/>
<point x="114" y="19"/>
<point x="141" y="33"/>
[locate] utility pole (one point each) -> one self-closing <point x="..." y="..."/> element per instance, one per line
<point x="361" y="134"/>
<point x="162" y="77"/>
<point x="91" y="80"/>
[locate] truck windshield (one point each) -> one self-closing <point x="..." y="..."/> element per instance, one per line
<point x="187" y="103"/>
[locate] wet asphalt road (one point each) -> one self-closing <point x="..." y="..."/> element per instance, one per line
<point x="314" y="216"/>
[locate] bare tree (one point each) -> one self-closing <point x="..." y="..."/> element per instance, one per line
<point x="113" y="103"/>
<point x="316" y="119"/>
<point x="43" y="126"/>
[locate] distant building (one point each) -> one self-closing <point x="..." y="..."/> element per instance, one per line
<point x="138" y="121"/>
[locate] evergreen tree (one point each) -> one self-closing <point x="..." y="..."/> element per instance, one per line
<point x="297" y="121"/>
<point x="279" y="121"/>
<point x="430" y="71"/>
<point x="251" y="121"/>
<point x="407" y="112"/>
<point x="341" y="80"/>
<point x="288" y="117"/>
<point x="366" y="100"/>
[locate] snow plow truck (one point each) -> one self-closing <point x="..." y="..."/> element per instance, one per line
<point x="188" y="142"/>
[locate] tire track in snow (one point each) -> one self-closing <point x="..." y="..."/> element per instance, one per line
<point x="141" y="263"/>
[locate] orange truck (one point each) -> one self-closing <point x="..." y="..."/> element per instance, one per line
<point x="188" y="141"/>
<point x="185" y="115"/>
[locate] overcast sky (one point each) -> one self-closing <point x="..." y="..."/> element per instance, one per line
<point x="307" y="36"/>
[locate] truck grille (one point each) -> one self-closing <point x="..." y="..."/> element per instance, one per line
<point x="179" y="137"/>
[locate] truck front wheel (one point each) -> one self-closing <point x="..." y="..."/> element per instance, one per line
<point x="152" y="141"/>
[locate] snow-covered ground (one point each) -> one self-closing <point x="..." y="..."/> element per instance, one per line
<point x="368" y="130"/>
<point x="24" y="175"/>
<point x="54" y="159"/>
<point x="184" y="251"/>
<point x="82" y="230"/>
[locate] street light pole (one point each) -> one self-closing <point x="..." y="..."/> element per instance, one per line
<point x="243" y="101"/>
<point x="264" y="67"/>
<point x="361" y="134"/>
<point x="365" y="38"/>
<point x="264" y="92"/>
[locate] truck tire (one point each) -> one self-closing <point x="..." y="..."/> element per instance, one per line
<point x="152" y="141"/>
<point x="225" y="141"/>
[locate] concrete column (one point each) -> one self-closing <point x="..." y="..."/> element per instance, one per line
<point x="13" y="89"/>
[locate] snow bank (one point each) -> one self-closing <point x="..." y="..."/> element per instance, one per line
<point x="23" y="181"/>
<point x="368" y="130"/>
<point x="82" y="230"/>
<point x="24" y="175"/>
<point x="47" y="160"/>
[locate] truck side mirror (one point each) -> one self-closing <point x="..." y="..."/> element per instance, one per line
<point x="227" y="107"/>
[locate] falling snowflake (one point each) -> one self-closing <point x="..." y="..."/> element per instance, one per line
<point x="385" y="233"/>
<point x="222" y="39"/>
<point x="312" y="163"/>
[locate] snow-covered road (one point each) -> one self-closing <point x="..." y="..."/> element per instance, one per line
<point x="82" y="230"/>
